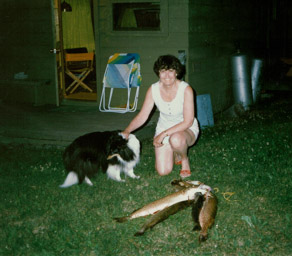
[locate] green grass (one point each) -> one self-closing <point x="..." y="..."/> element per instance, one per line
<point x="247" y="160"/>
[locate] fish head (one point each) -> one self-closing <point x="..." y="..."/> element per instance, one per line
<point x="185" y="184"/>
<point x="194" y="182"/>
<point x="206" y="187"/>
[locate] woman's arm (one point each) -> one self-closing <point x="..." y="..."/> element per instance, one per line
<point x="142" y="116"/>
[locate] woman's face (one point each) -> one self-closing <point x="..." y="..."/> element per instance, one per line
<point x="167" y="76"/>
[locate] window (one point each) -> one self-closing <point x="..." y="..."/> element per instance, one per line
<point x="136" y="16"/>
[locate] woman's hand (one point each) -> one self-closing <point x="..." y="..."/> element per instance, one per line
<point x="125" y="134"/>
<point x="157" y="141"/>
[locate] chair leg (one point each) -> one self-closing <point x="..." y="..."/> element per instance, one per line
<point x="73" y="83"/>
<point x="78" y="81"/>
<point x="102" y="101"/>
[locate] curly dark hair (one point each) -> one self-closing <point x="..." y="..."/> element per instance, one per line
<point x="169" y="62"/>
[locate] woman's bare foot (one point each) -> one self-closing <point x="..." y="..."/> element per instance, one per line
<point x="185" y="165"/>
<point x="177" y="159"/>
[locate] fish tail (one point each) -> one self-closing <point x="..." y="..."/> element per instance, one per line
<point x="203" y="237"/>
<point x="122" y="219"/>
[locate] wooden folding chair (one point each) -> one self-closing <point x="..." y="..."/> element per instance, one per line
<point x="78" y="66"/>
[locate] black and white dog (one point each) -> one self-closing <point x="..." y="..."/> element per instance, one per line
<point x="108" y="151"/>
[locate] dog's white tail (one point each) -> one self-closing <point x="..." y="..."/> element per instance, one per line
<point x="70" y="180"/>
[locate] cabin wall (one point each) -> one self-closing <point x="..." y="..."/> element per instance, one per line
<point x="150" y="45"/>
<point x="217" y="30"/>
<point x="208" y="31"/>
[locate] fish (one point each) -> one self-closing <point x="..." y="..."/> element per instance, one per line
<point x="204" y="209"/>
<point x="186" y="194"/>
<point x="163" y="215"/>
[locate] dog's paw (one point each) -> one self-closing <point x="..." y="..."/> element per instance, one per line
<point x="131" y="174"/>
<point x="119" y="180"/>
<point x="88" y="181"/>
<point x="134" y="176"/>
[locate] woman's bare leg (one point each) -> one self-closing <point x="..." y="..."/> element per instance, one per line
<point x="177" y="158"/>
<point x="180" y="142"/>
<point x="164" y="159"/>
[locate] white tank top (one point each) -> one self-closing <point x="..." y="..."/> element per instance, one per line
<point x="171" y="113"/>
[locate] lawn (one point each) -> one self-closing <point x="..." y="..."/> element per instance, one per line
<point x="247" y="160"/>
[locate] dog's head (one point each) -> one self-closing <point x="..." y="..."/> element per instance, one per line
<point x="122" y="149"/>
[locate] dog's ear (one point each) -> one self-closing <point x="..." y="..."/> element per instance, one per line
<point x="119" y="145"/>
<point x="126" y="153"/>
<point x="115" y="145"/>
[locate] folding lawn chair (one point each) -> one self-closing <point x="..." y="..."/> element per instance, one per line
<point x="122" y="72"/>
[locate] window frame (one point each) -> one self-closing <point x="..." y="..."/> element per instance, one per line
<point x="163" y="19"/>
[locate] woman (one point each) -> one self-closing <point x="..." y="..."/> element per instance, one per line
<point x="177" y="128"/>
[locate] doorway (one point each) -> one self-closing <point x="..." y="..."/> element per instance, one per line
<point x="78" y="37"/>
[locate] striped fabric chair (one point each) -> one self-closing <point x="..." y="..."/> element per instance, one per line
<point x="122" y="75"/>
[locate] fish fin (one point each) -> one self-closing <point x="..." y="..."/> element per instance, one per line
<point x="175" y="182"/>
<point x="122" y="219"/>
<point x="139" y="233"/>
<point x="197" y="227"/>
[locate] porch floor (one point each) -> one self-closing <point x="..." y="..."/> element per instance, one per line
<point x="59" y="126"/>
<point x="51" y="125"/>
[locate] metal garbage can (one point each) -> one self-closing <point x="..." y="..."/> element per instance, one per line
<point x="256" y="75"/>
<point x="241" y="80"/>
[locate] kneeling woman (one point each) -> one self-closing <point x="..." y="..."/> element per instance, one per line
<point x="177" y="128"/>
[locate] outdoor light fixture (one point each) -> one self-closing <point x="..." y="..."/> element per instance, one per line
<point x="65" y="7"/>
